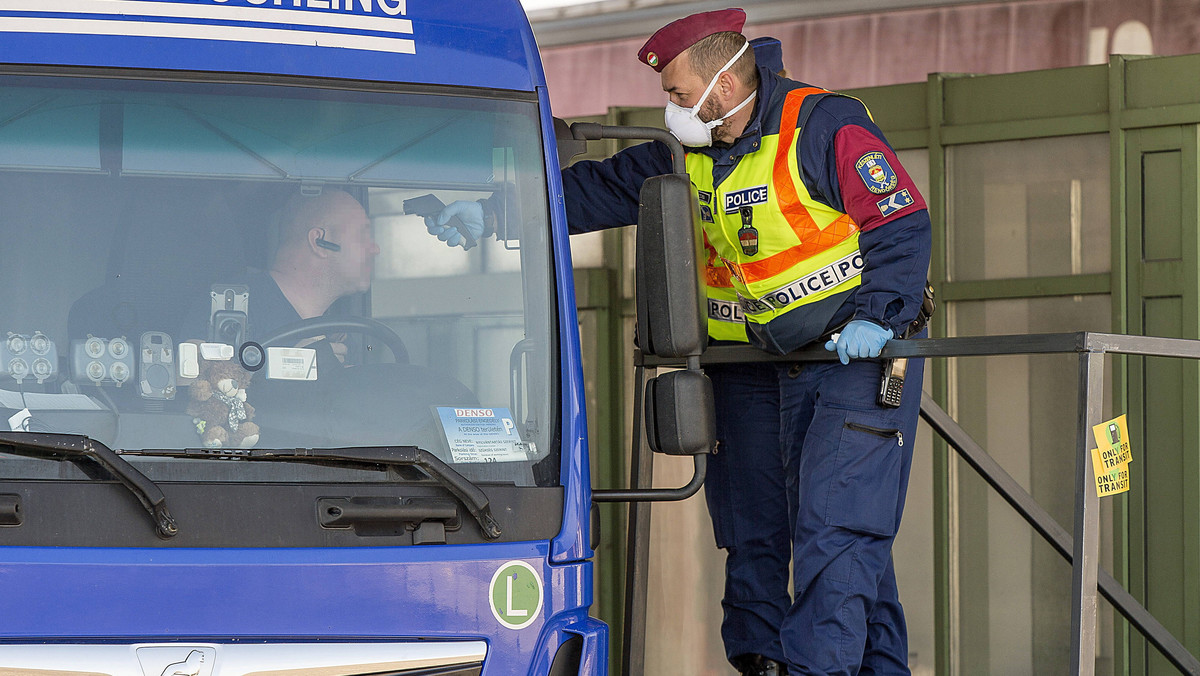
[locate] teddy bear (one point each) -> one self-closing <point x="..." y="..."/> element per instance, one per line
<point x="217" y="404"/>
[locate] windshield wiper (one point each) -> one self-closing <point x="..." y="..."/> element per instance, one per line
<point x="74" y="446"/>
<point x="467" y="493"/>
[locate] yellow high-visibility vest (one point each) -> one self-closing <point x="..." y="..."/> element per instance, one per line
<point x="771" y="247"/>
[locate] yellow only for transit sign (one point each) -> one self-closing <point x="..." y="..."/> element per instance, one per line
<point x="1111" y="457"/>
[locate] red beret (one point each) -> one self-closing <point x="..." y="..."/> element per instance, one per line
<point x="674" y="38"/>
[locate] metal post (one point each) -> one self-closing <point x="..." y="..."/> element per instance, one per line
<point x="1086" y="551"/>
<point x="637" y="550"/>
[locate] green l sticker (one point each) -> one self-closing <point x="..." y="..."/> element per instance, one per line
<point x="516" y="594"/>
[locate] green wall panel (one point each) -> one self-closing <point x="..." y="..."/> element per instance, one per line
<point x="1025" y="96"/>
<point x="896" y="108"/>
<point x="1162" y="190"/>
<point x="1170" y="81"/>
<point x="1162" y="541"/>
<point x="1157" y="502"/>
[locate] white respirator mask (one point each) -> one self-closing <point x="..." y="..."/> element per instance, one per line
<point x="685" y="123"/>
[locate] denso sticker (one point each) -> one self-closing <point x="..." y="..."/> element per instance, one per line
<point x="745" y="198"/>
<point x="477" y="435"/>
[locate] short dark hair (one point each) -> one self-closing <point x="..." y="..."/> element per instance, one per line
<point x="302" y="212"/>
<point x="708" y="55"/>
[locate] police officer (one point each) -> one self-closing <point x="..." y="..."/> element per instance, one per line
<point x="814" y="233"/>
<point x="745" y="488"/>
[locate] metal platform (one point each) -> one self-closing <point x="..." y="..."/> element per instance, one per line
<point x="1088" y="580"/>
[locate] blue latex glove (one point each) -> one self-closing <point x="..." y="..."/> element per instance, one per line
<point x="859" y="340"/>
<point x="469" y="214"/>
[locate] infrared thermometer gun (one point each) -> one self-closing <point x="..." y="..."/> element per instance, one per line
<point x="427" y="206"/>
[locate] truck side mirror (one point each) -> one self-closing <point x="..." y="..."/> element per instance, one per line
<point x="671" y="320"/>
<point x="670" y="298"/>
<point x="671" y="317"/>
<point x="679" y="413"/>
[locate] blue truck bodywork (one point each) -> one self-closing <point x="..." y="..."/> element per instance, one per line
<point x="358" y="594"/>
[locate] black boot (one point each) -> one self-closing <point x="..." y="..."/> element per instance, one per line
<point x="757" y="665"/>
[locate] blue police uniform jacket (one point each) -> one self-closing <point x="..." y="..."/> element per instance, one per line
<point x="895" y="235"/>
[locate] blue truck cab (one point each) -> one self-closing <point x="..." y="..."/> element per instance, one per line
<point x="397" y="485"/>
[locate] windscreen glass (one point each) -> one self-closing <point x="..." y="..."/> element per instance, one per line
<point x="193" y="265"/>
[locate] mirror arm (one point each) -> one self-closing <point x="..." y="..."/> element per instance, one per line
<point x="592" y="131"/>
<point x="657" y="494"/>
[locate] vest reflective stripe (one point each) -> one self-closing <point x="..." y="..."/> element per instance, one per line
<point x="725" y="318"/>
<point x="798" y="236"/>
<point x="816" y="282"/>
<point x="715" y="272"/>
<point x="727" y="312"/>
<point x="813" y="238"/>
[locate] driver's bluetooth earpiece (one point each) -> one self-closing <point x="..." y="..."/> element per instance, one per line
<point x="326" y="244"/>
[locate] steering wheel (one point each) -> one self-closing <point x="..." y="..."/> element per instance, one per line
<point x="307" y="328"/>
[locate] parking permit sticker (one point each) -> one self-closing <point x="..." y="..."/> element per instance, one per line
<point x="515" y="594"/>
<point x="483" y="435"/>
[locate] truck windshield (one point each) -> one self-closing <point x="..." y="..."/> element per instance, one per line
<point x="198" y="264"/>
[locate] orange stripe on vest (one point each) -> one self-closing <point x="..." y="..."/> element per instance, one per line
<point x="715" y="273"/>
<point x="813" y="240"/>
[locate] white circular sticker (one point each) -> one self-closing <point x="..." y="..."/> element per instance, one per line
<point x="515" y="594"/>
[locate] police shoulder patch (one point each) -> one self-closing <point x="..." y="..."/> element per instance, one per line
<point x="876" y="173"/>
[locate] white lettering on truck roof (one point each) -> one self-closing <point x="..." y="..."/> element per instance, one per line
<point x="216" y="21"/>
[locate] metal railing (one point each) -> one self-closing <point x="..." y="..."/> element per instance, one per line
<point x="1088" y="580"/>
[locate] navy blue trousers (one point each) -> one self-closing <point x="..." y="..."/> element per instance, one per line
<point x="810" y="469"/>
<point x="847" y="465"/>
<point x="746" y="491"/>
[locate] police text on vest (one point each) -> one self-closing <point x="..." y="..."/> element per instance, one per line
<point x="747" y="197"/>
